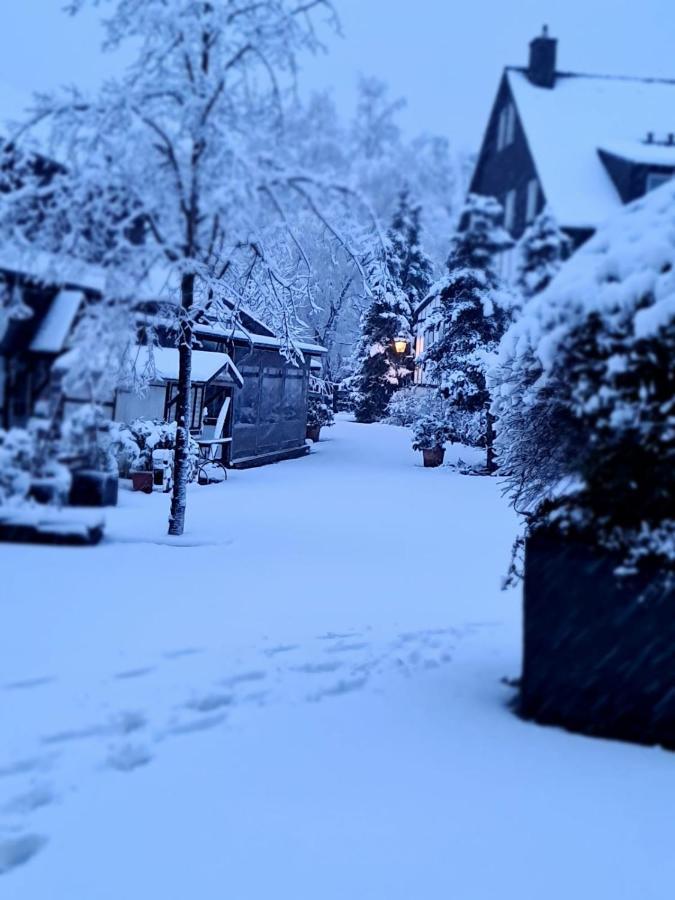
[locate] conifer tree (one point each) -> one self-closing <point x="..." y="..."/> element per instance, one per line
<point x="542" y="251"/>
<point x="410" y="266"/>
<point x="474" y="310"/>
<point x="380" y="369"/>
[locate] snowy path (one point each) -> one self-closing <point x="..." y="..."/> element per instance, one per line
<point x="303" y="702"/>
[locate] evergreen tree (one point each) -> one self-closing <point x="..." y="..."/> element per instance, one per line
<point x="474" y="310"/>
<point x="542" y="250"/>
<point x="380" y="370"/>
<point x="409" y="265"/>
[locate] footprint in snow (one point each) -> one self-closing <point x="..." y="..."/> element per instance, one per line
<point x="346" y="686"/>
<point x="35" y="798"/>
<point x="336" y="635"/>
<point x="134" y="673"/>
<point x="182" y="652"/>
<point x="243" y="678"/>
<point x="319" y="668"/>
<point x="128" y="757"/>
<point x="203" y="724"/>
<point x="125" y="723"/>
<point x="17" y="851"/>
<point x="28" y="683"/>
<point x="341" y="647"/>
<point x="210" y="702"/>
<point x="26" y="766"/>
<point x="281" y="648"/>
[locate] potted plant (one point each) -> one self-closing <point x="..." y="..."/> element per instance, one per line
<point x="319" y="415"/>
<point x="584" y="399"/>
<point x="133" y="446"/>
<point x="85" y="446"/>
<point x="429" y="435"/>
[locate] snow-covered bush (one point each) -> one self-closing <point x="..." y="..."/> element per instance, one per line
<point x="85" y="439"/>
<point x="319" y="413"/>
<point x="16" y="463"/>
<point x="27" y="459"/>
<point x="541" y="252"/>
<point x="585" y="386"/>
<point x="474" y="310"/>
<point x="132" y="444"/>
<point x="410" y="404"/>
<point x="430" y="432"/>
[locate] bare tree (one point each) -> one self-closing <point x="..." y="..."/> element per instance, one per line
<point x="172" y="173"/>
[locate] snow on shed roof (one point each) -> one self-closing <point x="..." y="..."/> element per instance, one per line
<point x="642" y="152"/>
<point x="566" y="125"/>
<point x="164" y="362"/>
<point x="54" y="329"/>
<point x="205" y="364"/>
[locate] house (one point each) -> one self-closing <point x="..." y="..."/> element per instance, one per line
<point x="581" y="145"/>
<point x="31" y="341"/>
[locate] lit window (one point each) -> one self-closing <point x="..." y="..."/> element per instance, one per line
<point x="510" y="210"/>
<point x="656" y="179"/>
<point x="532" y="200"/>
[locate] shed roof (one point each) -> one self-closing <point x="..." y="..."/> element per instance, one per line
<point x="57" y="324"/>
<point x="165" y="363"/>
<point x="566" y="125"/>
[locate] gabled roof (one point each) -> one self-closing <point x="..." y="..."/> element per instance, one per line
<point x="568" y="124"/>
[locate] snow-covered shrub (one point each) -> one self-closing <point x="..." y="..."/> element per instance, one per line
<point x="585" y="386"/>
<point x="319" y="413"/>
<point x="16" y="462"/>
<point x="474" y="310"/>
<point x="410" y="404"/>
<point x="28" y="459"/>
<point x="85" y="439"/>
<point x="541" y="252"/>
<point x="430" y="432"/>
<point x="132" y="444"/>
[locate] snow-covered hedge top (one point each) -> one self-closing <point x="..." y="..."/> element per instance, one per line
<point x="584" y="389"/>
<point x="629" y="259"/>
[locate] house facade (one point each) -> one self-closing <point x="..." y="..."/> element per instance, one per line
<point x="580" y="145"/>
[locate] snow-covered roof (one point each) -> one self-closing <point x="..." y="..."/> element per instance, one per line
<point x="629" y="259"/>
<point x="164" y="363"/>
<point x="566" y="125"/>
<point x="52" y="269"/>
<point x="649" y="154"/>
<point x="205" y="364"/>
<point x="54" y="329"/>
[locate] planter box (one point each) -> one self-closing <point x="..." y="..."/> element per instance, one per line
<point x="433" y="457"/>
<point x="599" y="650"/>
<point x="313" y="433"/>
<point x="92" y="488"/>
<point x="142" y="481"/>
<point x="50" y="526"/>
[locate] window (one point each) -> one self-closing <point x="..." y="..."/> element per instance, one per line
<point x="506" y="129"/>
<point x="656" y="179"/>
<point x="532" y="200"/>
<point x="510" y="210"/>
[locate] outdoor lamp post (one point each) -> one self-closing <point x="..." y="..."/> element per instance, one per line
<point x="400" y="345"/>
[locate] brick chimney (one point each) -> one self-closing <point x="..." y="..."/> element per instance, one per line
<point x="543" y="51"/>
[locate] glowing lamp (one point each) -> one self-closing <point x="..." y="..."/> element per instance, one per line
<point x="400" y="345"/>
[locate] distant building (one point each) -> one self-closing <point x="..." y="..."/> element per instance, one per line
<point x="582" y="145"/>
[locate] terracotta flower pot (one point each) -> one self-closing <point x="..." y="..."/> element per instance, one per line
<point x="142" y="481"/>
<point x="313" y="432"/>
<point x="433" y="457"/>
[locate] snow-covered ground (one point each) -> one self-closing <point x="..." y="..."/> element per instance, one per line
<point x="302" y="701"/>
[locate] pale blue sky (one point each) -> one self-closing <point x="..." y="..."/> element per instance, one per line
<point x="445" y="56"/>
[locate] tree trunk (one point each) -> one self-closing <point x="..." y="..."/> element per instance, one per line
<point x="181" y="468"/>
<point x="491" y="465"/>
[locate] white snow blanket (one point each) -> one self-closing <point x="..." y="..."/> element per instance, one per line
<point x="302" y="699"/>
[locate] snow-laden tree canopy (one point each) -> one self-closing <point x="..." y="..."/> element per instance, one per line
<point x="584" y="391"/>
